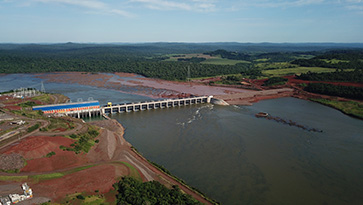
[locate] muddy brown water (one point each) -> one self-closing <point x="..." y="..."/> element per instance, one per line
<point x="236" y="158"/>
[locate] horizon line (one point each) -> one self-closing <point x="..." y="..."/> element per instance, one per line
<point x="181" y="42"/>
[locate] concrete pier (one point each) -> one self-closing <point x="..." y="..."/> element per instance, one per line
<point x="84" y="113"/>
<point x="139" y="106"/>
<point x="160" y="104"/>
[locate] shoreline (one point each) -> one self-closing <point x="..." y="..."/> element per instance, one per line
<point x="157" y="88"/>
<point x="159" y="175"/>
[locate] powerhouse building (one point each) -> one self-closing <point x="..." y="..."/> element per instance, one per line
<point x="68" y="108"/>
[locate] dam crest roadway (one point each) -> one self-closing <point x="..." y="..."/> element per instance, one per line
<point x="93" y="108"/>
<point x="147" y="105"/>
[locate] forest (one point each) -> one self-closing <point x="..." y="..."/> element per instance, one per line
<point x="10" y="63"/>
<point x="275" y="81"/>
<point x="336" y="90"/>
<point x="342" y="59"/>
<point x="337" y="76"/>
<point x="149" y="59"/>
<point x="131" y="191"/>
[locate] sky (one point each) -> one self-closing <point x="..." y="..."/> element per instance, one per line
<point x="132" y="21"/>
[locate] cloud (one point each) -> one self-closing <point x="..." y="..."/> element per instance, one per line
<point x="279" y="3"/>
<point x="354" y="5"/>
<point x="91" y="5"/>
<point x="191" y="5"/>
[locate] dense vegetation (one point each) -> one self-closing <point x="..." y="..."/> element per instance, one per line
<point x="348" y="107"/>
<point x="229" y="55"/>
<point x="252" y="73"/>
<point x="192" y="60"/>
<point x="84" y="141"/>
<point x="338" y="76"/>
<point x="34" y="127"/>
<point x="231" y="80"/>
<point x="275" y="81"/>
<point x="149" y="59"/>
<point x="109" y="61"/>
<point x="131" y="191"/>
<point x="344" y="59"/>
<point x="336" y="90"/>
<point x="270" y="57"/>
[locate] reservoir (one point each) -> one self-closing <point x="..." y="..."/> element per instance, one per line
<point x="236" y="158"/>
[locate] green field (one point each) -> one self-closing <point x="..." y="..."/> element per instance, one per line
<point x="222" y="61"/>
<point x="335" y="61"/>
<point x="40" y="177"/>
<point x="215" y="60"/>
<point x="13" y="178"/>
<point x="271" y="66"/>
<point x="298" y="70"/>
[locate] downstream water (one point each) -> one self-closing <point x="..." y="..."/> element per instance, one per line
<point x="236" y="158"/>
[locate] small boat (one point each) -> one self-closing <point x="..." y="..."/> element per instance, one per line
<point x="262" y="114"/>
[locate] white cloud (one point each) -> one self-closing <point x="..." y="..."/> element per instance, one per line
<point x="354" y="5"/>
<point x="279" y="3"/>
<point x="191" y="5"/>
<point x="91" y="6"/>
<point x="354" y="1"/>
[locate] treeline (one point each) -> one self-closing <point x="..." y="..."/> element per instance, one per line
<point x="352" y="59"/>
<point x="356" y="64"/>
<point x="131" y="191"/>
<point x="275" y="81"/>
<point x="268" y="57"/>
<point x="337" y="76"/>
<point x="336" y="90"/>
<point x="88" y="61"/>
<point x="229" y="55"/>
<point x="348" y="55"/>
<point x="192" y="60"/>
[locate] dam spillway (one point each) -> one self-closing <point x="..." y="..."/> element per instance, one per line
<point x="158" y="104"/>
<point x="93" y="108"/>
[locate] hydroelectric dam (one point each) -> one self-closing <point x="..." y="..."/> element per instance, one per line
<point x="93" y="108"/>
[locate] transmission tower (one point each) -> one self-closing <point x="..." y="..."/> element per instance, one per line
<point x="42" y="88"/>
<point x="188" y="75"/>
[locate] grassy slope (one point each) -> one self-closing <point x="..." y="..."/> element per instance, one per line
<point x="223" y="61"/>
<point x="133" y="173"/>
<point x="350" y="107"/>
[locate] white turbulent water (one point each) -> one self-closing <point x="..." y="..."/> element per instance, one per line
<point x="236" y="158"/>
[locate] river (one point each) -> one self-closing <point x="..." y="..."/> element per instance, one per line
<point x="236" y="158"/>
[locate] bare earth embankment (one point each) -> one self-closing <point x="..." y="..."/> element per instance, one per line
<point x="65" y="172"/>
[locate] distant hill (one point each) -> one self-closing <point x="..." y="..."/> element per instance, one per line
<point x="167" y="48"/>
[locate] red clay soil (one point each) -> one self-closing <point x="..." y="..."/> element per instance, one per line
<point x="35" y="148"/>
<point x="293" y="80"/>
<point x="12" y="107"/>
<point x="59" y="130"/>
<point x="100" y="178"/>
<point x="125" y="74"/>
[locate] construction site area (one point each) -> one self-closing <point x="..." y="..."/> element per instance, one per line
<point x="63" y="159"/>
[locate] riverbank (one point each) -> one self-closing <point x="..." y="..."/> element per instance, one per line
<point x="156" y="88"/>
<point x="55" y="177"/>
<point x="123" y="151"/>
